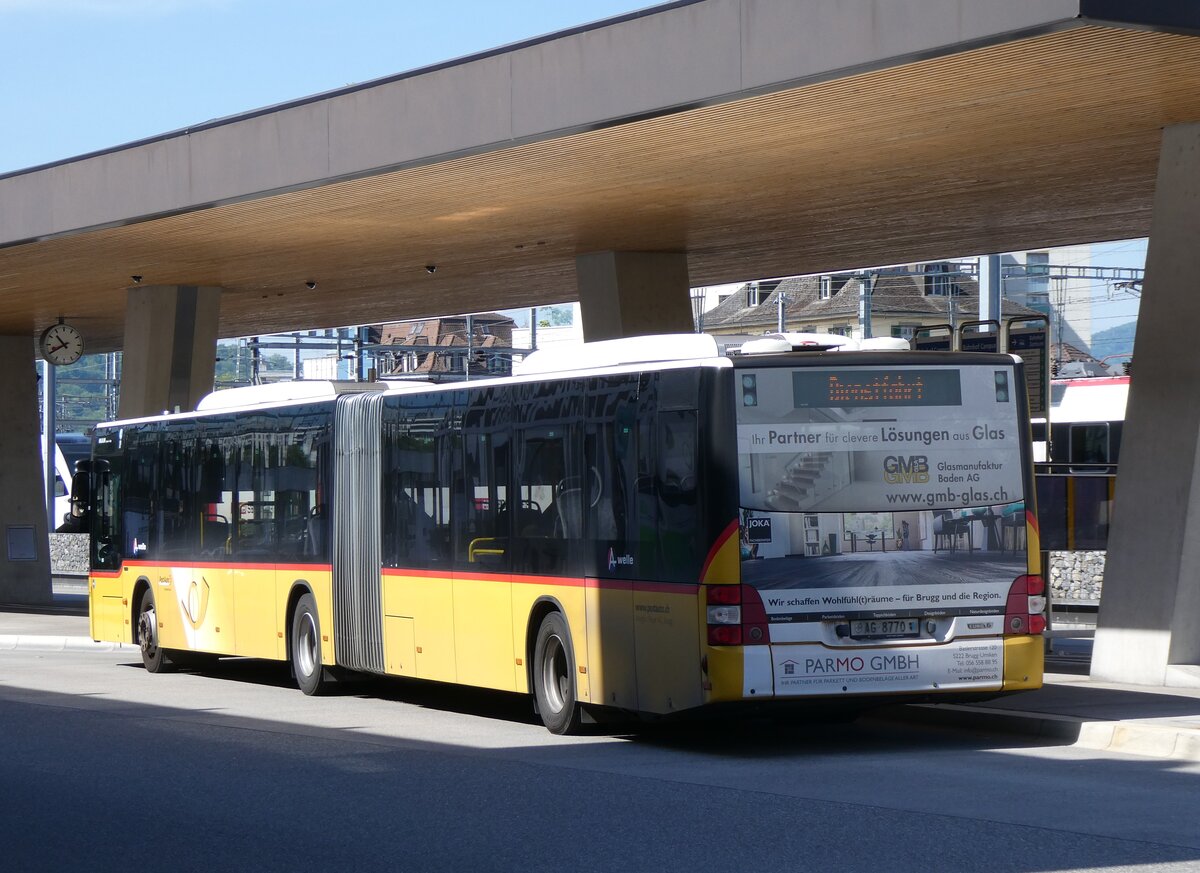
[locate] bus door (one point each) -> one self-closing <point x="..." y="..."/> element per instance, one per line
<point x="481" y="517"/>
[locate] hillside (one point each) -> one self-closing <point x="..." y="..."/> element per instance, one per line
<point x="1114" y="341"/>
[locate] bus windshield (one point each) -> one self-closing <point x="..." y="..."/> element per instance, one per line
<point x="880" y="491"/>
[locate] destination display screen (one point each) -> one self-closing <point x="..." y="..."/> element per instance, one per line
<point x="876" y="387"/>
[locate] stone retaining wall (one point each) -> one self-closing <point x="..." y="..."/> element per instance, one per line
<point x="1076" y="575"/>
<point x="68" y="553"/>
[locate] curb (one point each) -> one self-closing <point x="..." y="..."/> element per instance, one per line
<point x="1177" y="742"/>
<point x="1164" y="739"/>
<point x="45" y="643"/>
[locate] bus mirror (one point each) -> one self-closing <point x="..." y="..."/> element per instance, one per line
<point x="86" y="472"/>
<point x="81" y="492"/>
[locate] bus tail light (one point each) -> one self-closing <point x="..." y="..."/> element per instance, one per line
<point x="724" y="614"/>
<point x="754" y="618"/>
<point x="726" y="594"/>
<point x="1026" y="603"/>
<point x="735" y="616"/>
<point x="724" y="635"/>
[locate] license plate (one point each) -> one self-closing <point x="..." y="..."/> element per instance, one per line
<point x="885" y="628"/>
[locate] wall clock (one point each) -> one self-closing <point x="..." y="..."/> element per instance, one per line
<point x="61" y="344"/>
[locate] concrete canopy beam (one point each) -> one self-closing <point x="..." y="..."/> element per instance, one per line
<point x="1150" y="615"/>
<point x="633" y="294"/>
<point x="170" y="348"/>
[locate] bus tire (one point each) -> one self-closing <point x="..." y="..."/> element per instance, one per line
<point x="154" y="656"/>
<point x="554" y="676"/>
<point x="311" y="675"/>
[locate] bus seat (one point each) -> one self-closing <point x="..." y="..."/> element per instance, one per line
<point x="569" y="506"/>
<point x="214" y="533"/>
<point x="315" y="535"/>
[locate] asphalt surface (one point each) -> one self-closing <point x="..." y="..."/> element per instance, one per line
<point x="1157" y="722"/>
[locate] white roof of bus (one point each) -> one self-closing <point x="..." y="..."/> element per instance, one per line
<point x="284" y="392"/>
<point x="665" y="351"/>
<point x="618" y="352"/>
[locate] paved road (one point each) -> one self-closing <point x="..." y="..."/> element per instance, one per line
<point x="109" y="768"/>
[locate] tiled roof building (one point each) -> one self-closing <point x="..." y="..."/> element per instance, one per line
<point x="902" y="299"/>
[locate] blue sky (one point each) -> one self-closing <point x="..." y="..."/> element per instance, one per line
<point x="83" y="75"/>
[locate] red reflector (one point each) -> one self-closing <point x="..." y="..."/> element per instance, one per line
<point x="1037" y="624"/>
<point x="725" y="594"/>
<point x="724" y="635"/>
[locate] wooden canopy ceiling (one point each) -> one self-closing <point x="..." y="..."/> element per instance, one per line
<point x="1044" y="141"/>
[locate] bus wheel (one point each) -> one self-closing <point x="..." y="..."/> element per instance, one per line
<point x="154" y="657"/>
<point x="306" y="648"/>
<point x="554" y="676"/>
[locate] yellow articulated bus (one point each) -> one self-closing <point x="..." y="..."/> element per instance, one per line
<point x="645" y="525"/>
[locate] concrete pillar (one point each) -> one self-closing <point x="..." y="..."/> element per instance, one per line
<point x="170" y="348"/>
<point x="633" y="294"/>
<point x="989" y="288"/>
<point x="24" y="545"/>
<point x="1149" y="624"/>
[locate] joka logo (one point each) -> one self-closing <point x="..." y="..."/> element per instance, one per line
<point x="899" y="470"/>
<point x="758" y="530"/>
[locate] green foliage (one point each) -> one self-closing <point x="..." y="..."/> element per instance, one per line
<point x="548" y="316"/>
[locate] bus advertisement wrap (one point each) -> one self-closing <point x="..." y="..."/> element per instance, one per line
<point x="894" y="493"/>
<point x="890" y="441"/>
<point x="969" y="664"/>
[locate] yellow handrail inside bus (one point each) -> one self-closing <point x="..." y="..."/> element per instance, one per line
<point x="489" y="546"/>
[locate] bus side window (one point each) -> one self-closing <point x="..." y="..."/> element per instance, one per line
<point x="610" y="461"/>
<point x="539" y="544"/>
<point x="416" y="520"/>
<point x="482" y="537"/>
<point x="678" y="506"/>
<point x="548" y="462"/>
<point x="177" y="511"/>
<point x="138" y="493"/>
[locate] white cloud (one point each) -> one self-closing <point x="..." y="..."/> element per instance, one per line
<point x="109" y="7"/>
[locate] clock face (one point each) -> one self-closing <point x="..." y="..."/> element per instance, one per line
<point x="61" y="344"/>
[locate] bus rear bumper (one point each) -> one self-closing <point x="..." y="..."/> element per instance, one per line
<point x="985" y="665"/>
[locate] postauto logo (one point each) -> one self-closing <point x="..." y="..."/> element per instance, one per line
<point x="906" y="470"/>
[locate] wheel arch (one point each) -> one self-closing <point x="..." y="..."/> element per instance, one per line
<point x="542" y="607"/>
<point x="141" y="587"/>
<point x="299" y="588"/>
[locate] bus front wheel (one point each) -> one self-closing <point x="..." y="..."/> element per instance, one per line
<point x="154" y="657"/>
<point x="311" y="676"/>
<point x="554" y="676"/>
